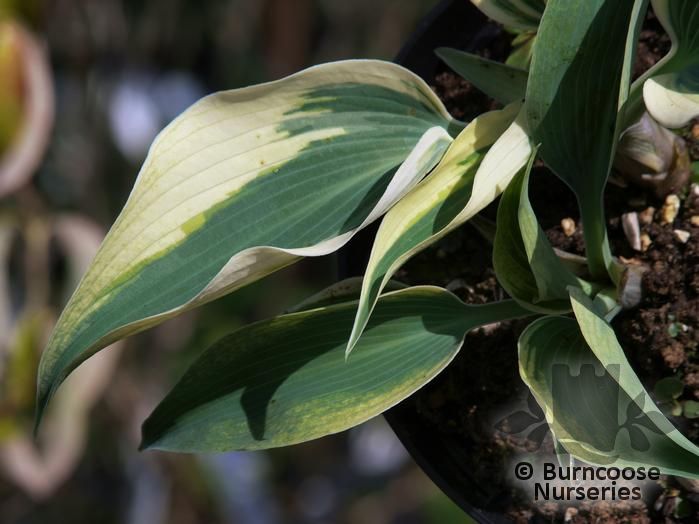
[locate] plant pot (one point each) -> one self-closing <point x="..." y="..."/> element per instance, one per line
<point x="457" y="24"/>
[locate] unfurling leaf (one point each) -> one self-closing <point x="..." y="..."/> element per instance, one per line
<point x="651" y="156"/>
<point x="526" y="265"/>
<point x="244" y="183"/>
<point x="476" y="169"/>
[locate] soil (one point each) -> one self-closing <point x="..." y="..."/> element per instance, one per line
<point x="469" y="403"/>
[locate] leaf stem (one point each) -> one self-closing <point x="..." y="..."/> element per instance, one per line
<point x="482" y="314"/>
<point x="597" y="250"/>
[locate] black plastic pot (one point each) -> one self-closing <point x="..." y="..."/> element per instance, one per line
<point x="458" y="24"/>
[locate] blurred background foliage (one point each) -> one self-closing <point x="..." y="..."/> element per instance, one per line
<point x="85" y="85"/>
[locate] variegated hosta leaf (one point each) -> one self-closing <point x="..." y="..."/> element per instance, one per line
<point x="680" y="18"/>
<point x="526" y="265"/>
<point x="596" y="405"/>
<point x="576" y="81"/>
<point x="521" y="14"/>
<point x="671" y="87"/>
<point x="285" y="380"/>
<point x="673" y="98"/>
<point x="245" y="182"/>
<point x="504" y="83"/>
<point x="469" y="177"/>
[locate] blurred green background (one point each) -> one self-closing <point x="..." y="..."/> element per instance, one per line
<point x="116" y="72"/>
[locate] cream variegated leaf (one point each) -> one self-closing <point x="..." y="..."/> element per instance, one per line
<point x="245" y="182"/>
<point x="475" y="170"/>
<point x="673" y="99"/>
<point x="671" y="87"/>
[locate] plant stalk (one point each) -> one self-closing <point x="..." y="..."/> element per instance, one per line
<point x="482" y="314"/>
<point x="597" y="250"/>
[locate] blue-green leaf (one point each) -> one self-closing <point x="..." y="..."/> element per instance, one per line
<point x="504" y="83"/>
<point x="475" y="170"/>
<point x="245" y="182"/>
<point x="525" y="263"/>
<point x="285" y="380"/>
<point x="575" y="86"/>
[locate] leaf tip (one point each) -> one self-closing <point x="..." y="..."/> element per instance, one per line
<point x="43" y="397"/>
<point x="145" y="445"/>
<point x="348" y="350"/>
<point x="441" y="52"/>
<point x="149" y="438"/>
<point x="357" y="330"/>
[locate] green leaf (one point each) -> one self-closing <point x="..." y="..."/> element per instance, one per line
<point x="671" y="87"/>
<point x="591" y="411"/>
<point x="597" y="406"/>
<point x="504" y="83"/>
<point x="680" y="18"/>
<point x="574" y="88"/>
<point x="469" y="177"/>
<point x="525" y="263"/>
<point x="521" y="14"/>
<point x="690" y="409"/>
<point x="683" y="508"/>
<point x="285" y="380"/>
<point x="244" y="183"/>
<point x="345" y="290"/>
<point x="668" y="389"/>
<point x="668" y="86"/>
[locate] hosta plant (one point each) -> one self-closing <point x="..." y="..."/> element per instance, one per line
<point x="248" y="181"/>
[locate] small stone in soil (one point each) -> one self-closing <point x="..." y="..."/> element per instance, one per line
<point x="670" y="209"/>
<point x="568" y="227"/>
<point x="646" y="216"/>
<point x="681" y="235"/>
<point x="569" y="514"/>
<point x="632" y="229"/>
<point x="673" y="355"/>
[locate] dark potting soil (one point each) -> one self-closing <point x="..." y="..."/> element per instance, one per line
<point x="473" y="399"/>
